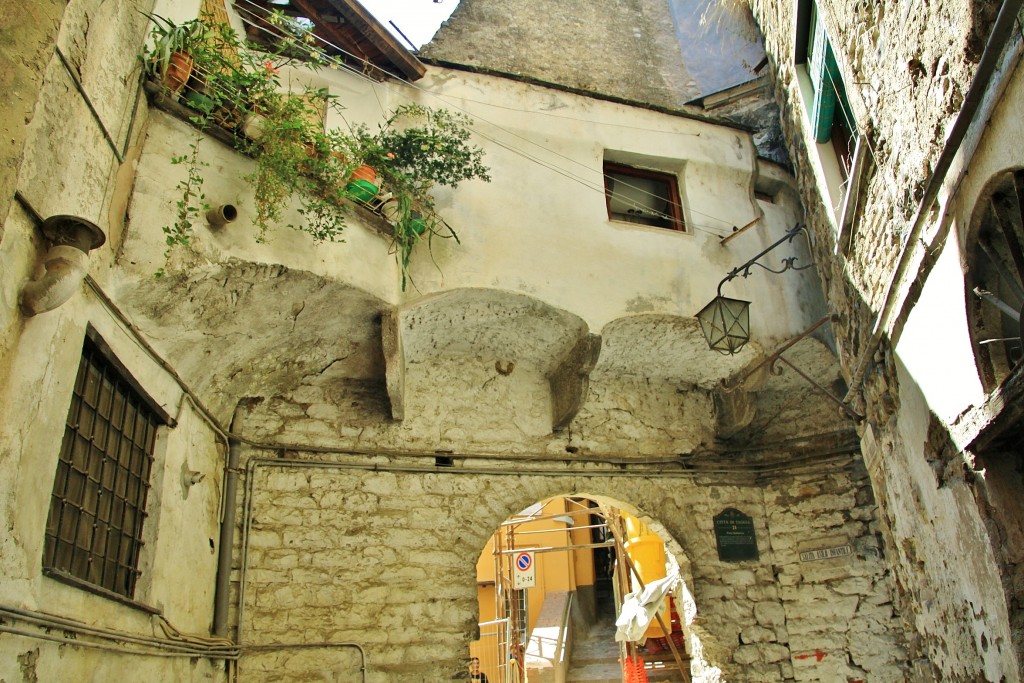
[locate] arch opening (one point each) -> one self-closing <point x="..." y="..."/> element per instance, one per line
<point x="996" y="279"/>
<point x="577" y="586"/>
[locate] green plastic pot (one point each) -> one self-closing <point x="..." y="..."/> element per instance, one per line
<point x="361" y="190"/>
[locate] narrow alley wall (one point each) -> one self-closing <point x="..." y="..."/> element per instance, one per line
<point x="906" y="69"/>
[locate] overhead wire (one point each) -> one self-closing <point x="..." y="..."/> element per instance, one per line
<point x="721" y="230"/>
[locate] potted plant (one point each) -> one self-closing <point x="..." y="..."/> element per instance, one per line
<point x="169" y="59"/>
<point x="415" y="148"/>
<point x="296" y="156"/>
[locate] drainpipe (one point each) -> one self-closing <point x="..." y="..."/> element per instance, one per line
<point x="219" y="216"/>
<point x="227" y="529"/>
<point x="67" y="263"/>
<point x="997" y="41"/>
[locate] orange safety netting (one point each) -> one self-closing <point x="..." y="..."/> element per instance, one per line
<point x="634" y="669"/>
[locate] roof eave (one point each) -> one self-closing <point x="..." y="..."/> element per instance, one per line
<point x="411" y="68"/>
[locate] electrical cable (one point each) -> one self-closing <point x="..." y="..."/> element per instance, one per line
<point x="166" y="647"/>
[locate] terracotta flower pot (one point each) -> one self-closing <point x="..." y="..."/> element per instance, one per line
<point x="364" y="172"/>
<point x="179" y="68"/>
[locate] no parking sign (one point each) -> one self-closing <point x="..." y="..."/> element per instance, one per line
<point x="524" y="573"/>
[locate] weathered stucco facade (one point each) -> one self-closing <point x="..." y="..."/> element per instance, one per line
<point x="354" y="445"/>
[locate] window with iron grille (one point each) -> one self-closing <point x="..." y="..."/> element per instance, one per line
<point x="98" y="505"/>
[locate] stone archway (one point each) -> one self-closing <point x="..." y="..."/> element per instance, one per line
<point x="552" y="580"/>
<point x="381" y="548"/>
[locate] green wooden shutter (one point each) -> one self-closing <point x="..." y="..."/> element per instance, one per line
<point x="824" y="73"/>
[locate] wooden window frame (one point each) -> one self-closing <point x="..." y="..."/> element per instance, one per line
<point x="674" y="217"/>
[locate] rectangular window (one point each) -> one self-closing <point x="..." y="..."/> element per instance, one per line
<point x="636" y="195"/>
<point x="98" y="505"/>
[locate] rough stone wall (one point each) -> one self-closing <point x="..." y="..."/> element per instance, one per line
<point x="374" y="552"/>
<point x="840" y="614"/>
<point x="481" y="408"/>
<point x="940" y="547"/>
<point x="342" y="552"/>
<point x="626" y="48"/>
<point x="909" y="68"/>
<point x="906" y="68"/>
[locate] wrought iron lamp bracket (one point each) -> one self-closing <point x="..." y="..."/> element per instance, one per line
<point x="788" y="263"/>
<point x="772" y="363"/>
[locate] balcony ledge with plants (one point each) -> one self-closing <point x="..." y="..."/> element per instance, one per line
<point x="231" y="91"/>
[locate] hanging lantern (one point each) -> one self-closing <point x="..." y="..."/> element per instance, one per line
<point x="725" y="323"/>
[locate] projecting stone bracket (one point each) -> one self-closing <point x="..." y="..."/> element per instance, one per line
<point x="570" y="379"/>
<point x="394" y="363"/>
<point x="734" y="411"/>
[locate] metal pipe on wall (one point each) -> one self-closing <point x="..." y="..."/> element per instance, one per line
<point x="67" y="262"/>
<point x="227" y="531"/>
<point x="163" y="647"/>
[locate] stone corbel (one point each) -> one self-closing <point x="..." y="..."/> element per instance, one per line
<point x="570" y="379"/>
<point x="734" y="411"/>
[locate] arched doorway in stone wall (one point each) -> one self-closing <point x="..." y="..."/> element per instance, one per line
<point x="995" y="305"/>
<point x="554" y="578"/>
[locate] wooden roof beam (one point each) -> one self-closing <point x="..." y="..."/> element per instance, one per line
<point x="403" y="60"/>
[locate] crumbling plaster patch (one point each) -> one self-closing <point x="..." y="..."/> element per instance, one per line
<point x="949" y="582"/>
